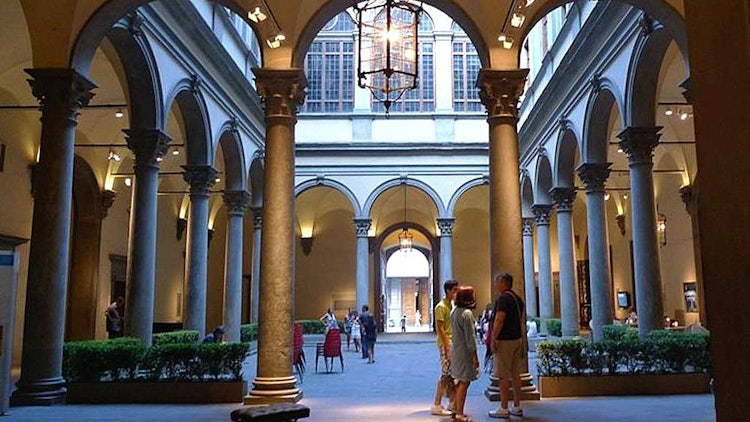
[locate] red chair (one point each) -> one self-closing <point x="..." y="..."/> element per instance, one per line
<point x="298" y="351"/>
<point x="330" y="349"/>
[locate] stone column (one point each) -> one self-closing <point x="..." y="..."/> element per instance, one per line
<point x="499" y="92"/>
<point x="594" y="175"/>
<point x="257" y="235"/>
<point x="282" y="91"/>
<point x="689" y="196"/>
<point x="546" y="298"/>
<point x="639" y="143"/>
<point x="61" y="93"/>
<point x="362" y="226"/>
<point x="446" y="248"/>
<point x="235" y="203"/>
<point x="532" y="308"/>
<point x="564" y="198"/>
<point x="200" y="178"/>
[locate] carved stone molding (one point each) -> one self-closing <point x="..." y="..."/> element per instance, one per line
<point x="542" y="214"/>
<point x="9" y="243"/>
<point x="596" y="83"/>
<point x="106" y="200"/>
<point x="639" y="143"/>
<point x="148" y="145"/>
<point x="257" y="218"/>
<point x="60" y="91"/>
<point x="446" y="226"/>
<point x="362" y="226"/>
<point x="527" y="226"/>
<point x="594" y="175"/>
<point x="200" y="178"/>
<point x="646" y="24"/>
<point x="564" y="198"/>
<point x="282" y="90"/>
<point x="499" y="91"/>
<point x="236" y="201"/>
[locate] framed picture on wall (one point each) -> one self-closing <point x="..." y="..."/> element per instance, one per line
<point x="690" y="295"/>
<point x="623" y="300"/>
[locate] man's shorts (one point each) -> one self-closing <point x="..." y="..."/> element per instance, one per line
<point x="445" y="362"/>
<point x="509" y="358"/>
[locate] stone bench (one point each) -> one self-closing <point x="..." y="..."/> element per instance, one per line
<point x="281" y="412"/>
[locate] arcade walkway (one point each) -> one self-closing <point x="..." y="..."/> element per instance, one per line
<point x="399" y="386"/>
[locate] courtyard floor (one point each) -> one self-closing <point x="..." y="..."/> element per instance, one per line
<point x="399" y="386"/>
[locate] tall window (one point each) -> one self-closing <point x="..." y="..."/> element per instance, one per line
<point x="465" y="71"/>
<point x="422" y="98"/>
<point x="329" y="66"/>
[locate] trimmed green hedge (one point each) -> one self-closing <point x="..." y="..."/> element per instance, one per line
<point x="554" y="327"/>
<point x="248" y="332"/>
<point x="129" y="360"/>
<point x="174" y="337"/>
<point x="619" y="332"/>
<point x="662" y="352"/>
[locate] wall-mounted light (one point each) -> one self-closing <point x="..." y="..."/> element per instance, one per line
<point x="606" y="196"/>
<point x="217" y="180"/>
<point x="276" y="40"/>
<point x="306" y="236"/>
<point x="175" y="151"/>
<point x="119" y="114"/>
<point x="661" y="228"/>
<point x="517" y="20"/>
<point x="128" y="182"/>
<point x="507" y="41"/>
<point x="625" y="196"/>
<point x="159" y="159"/>
<point x="256" y="15"/>
<point x="113" y="156"/>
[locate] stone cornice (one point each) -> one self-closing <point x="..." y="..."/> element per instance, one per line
<point x="391" y="149"/>
<point x="9" y="243"/>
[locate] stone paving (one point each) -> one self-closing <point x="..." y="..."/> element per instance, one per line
<point x="399" y="386"/>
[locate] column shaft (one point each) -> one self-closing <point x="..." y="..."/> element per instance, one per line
<point x="257" y="239"/>
<point x="62" y="93"/>
<point x="362" y="226"/>
<point x="564" y="198"/>
<point x="235" y="202"/>
<point x="446" y="248"/>
<point x="532" y="308"/>
<point x="546" y="295"/>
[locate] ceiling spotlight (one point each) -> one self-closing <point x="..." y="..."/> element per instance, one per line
<point x="669" y="112"/>
<point x="275" y="41"/>
<point x="119" y="113"/>
<point x="128" y="182"/>
<point x="176" y="152"/>
<point x="517" y="20"/>
<point x="506" y="40"/>
<point x="256" y="15"/>
<point x="683" y="116"/>
<point x="113" y="156"/>
<point x="217" y="180"/>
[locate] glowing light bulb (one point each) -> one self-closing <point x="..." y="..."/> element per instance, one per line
<point x="128" y="182"/>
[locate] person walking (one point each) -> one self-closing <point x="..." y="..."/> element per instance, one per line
<point x="464" y="359"/>
<point x="443" y="329"/>
<point x="114" y="314"/>
<point x="356" y="331"/>
<point x="508" y="345"/>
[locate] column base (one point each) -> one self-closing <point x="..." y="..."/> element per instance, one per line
<point x="528" y="389"/>
<point x="44" y="392"/>
<point x="269" y="390"/>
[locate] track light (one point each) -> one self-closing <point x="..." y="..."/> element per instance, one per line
<point x="256" y="15"/>
<point x="119" y="113"/>
<point x="669" y="112"/>
<point x="275" y="41"/>
<point x="128" y="182"/>
<point x="506" y="40"/>
<point x="517" y="20"/>
<point x="684" y="116"/>
<point x="113" y="156"/>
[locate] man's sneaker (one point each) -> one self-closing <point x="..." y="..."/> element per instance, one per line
<point x="438" y="410"/>
<point x="516" y="411"/>
<point x="499" y="413"/>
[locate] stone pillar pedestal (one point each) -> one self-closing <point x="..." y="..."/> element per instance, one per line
<point x="61" y="93"/>
<point x="594" y="175"/>
<point x="639" y="143"/>
<point x="235" y="203"/>
<point x="282" y="91"/>
<point x="362" y="226"/>
<point x="546" y="298"/>
<point x="257" y="238"/>
<point x="446" y="248"/>
<point x="564" y="198"/>
<point x="532" y="308"/>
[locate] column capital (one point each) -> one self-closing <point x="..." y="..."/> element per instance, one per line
<point x="639" y="143"/>
<point x="362" y="226"/>
<point x="563" y="198"/>
<point x="106" y="200"/>
<point x="257" y="217"/>
<point x="446" y="226"/>
<point x="148" y="145"/>
<point x="282" y="90"/>
<point x="236" y="201"/>
<point x="594" y="175"/>
<point x="499" y="91"/>
<point x="527" y="226"/>
<point x="60" y="90"/>
<point x="541" y="214"/>
<point x="200" y="178"/>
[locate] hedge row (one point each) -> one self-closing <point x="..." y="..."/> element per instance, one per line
<point x="554" y="326"/>
<point x="249" y="332"/>
<point x="662" y="352"/>
<point x="174" y="337"/>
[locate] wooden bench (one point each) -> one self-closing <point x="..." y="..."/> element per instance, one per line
<point x="281" y="412"/>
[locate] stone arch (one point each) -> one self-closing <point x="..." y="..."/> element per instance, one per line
<point x="542" y="180"/>
<point x="195" y="121"/>
<point x="565" y="158"/>
<point x="462" y="190"/>
<point x="334" y="184"/>
<point x="643" y="77"/>
<point x="527" y="196"/>
<point x="603" y="97"/>
<point x="332" y="8"/>
<point x="661" y="11"/>
<point x="427" y="189"/>
<point x="234" y="158"/>
<point x="257" y="174"/>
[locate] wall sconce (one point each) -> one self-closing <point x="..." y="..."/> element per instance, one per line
<point x="661" y="229"/>
<point x="307" y="243"/>
<point x="181" y="226"/>
<point x="621" y="223"/>
<point x="506" y="40"/>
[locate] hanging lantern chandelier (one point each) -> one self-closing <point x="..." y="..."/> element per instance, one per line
<point x="405" y="239"/>
<point x="387" y="61"/>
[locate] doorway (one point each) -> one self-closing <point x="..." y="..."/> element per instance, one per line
<point x="407" y="291"/>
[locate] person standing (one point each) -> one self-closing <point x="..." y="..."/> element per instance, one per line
<point x="370" y="335"/>
<point x="403" y="323"/>
<point x="356" y="331"/>
<point x="444" y="332"/>
<point x="464" y="359"/>
<point x="114" y="314"/>
<point x="329" y="320"/>
<point x="508" y="345"/>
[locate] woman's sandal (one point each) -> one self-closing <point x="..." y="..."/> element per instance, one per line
<point x="461" y="418"/>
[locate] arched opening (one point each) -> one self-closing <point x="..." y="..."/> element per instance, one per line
<point x="407" y="275"/>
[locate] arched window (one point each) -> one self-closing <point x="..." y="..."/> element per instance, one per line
<point x="466" y="66"/>
<point x="329" y="67"/>
<point x="422" y="98"/>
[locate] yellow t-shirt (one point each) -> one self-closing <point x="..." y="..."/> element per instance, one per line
<point x="443" y="315"/>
